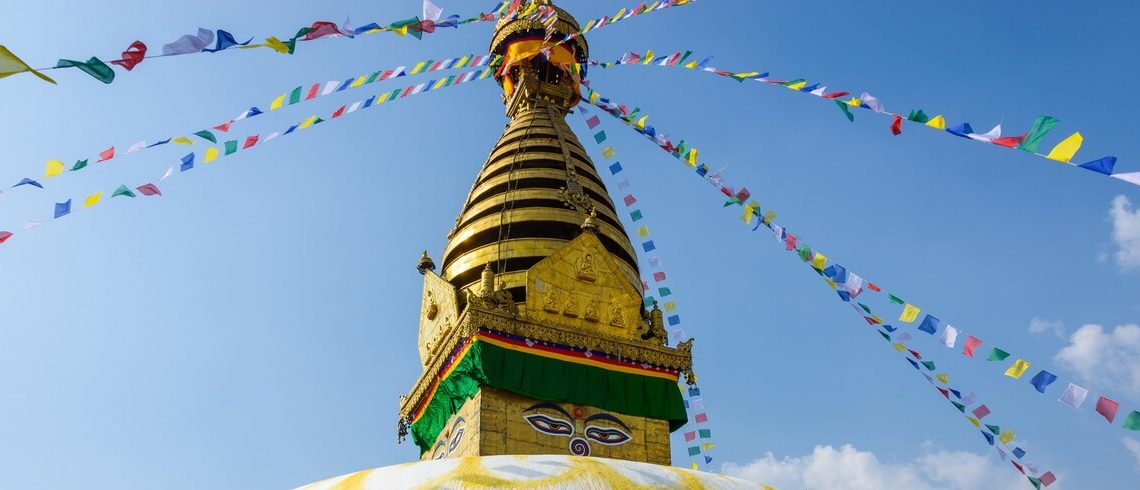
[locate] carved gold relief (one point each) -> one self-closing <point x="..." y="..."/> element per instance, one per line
<point x="591" y="312"/>
<point x="438" y="312"/>
<point x="550" y="303"/>
<point x="587" y="271"/>
<point x="571" y="306"/>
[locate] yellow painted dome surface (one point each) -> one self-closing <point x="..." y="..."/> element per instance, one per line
<point x="529" y="472"/>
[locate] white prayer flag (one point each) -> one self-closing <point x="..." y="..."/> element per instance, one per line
<point x="993" y="134"/>
<point x="169" y="172"/>
<point x="872" y="102"/>
<point x="949" y="336"/>
<point x="136" y="147"/>
<point x="1073" y="396"/>
<point x="329" y="87"/>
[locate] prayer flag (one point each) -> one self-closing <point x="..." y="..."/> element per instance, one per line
<point x="1043" y="379"/>
<point x="658" y="276"/>
<point x="930" y="324"/>
<point x="918" y="116"/>
<point x="1074" y="396"/>
<point x="53" y="168"/>
<point x="846" y="110"/>
<point x="188" y="162"/>
<point x="181" y="140"/>
<point x="93" y="66"/>
<point x="664" y="292"/>
<point x="62" y="208"/>
<point x="1006" y="436"/>
<point x="225" y="40"/>
<point x="670" y="306"/>
<point x="593" y="122"/>
<point x="1107" y="408"/>
<point x="123" y="191"/>
<point x="938" y="122"/>
<point x="872" y="102"/>
<point x="1041" y="126"/>
<point x="981" y="412"/>
<point x="988" y="137"/>
<point x="818" y="261"/>
<point x="252" y="140"/>
<point x="701" y="418"/>
<point x="643" y="231"/>
<point x="168" y="173"/>
<point x="896" y="125"/>
<point x="648" y="246"/>
<point x="944" y="378"/>
<point x="1103" y="165"/>
<point x="674" y="320"/>
<point x="994" y="429"/>
<point x="615" y="168"/>
<point x="895" y="299"/>
<point x="1130" y="177"/>
<point x="974" y="421"/>
<point x="962" y="130"/>
<point x="107" y="154"/>
<point x="79" y="165"/>
<point x="930" y="367"/>
<point x="909" y="313"/>
<point x="600" y="136"/>
<point x="949" y="336"/>
<point x="189" y="43"/>
<point x="1066" y="149"/>
<point x="705" y="433"/>
<point x="149" y="190"/>
<point x="1009" y="141"/>
<point x="608" y="152"/>
<point x="93" y="199"/>
<point x="1018" y="452"/>
<point x="1017" y="369"/>
<point x="206" y="135"/>
<point x="989" y="438"/>
<point x="1133" y="421"/>
<point x="1048" y="478"/>
<point x="693" y="451"/>
<point x="997" y="355"/>
<point x="10" y="64"/>
<point x="211" y="155"/>
<point x="629" y="199"/>
<point x="134" y="55"/>
<point x="231" y="147"/>
<point x="690" y="436"/>
<point x="5" y="235"/>
<point x="972" y="343"/>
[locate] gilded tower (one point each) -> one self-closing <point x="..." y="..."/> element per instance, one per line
<point x="534" y="335"/>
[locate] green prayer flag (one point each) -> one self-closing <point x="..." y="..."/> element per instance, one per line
<point x="295" y="96"/>
<point x="993" y="428"/>
<point x="1040" y="128"/>
<point x="929" y="365"/>
<point x="865" y="308"/>
<point x="123" y="191"/>
<point x="636" y="215"/>
<point x="94" y="67"/>
<point x="959" y="406"/>
<point x="231" y="147"/>
<point x="918" y="116"/>
<point x="997" y="355"/>
<point x="664" y="292"/>
<point x="649" y="301"/>
<point x="695" y="450"/>
<point x="78" y="165"/>
<point x="895" y="299"/>
<point x="885" y="336"/>
<point x="682" y="149"/>
<point x="793" y="82"/>
<point x="805" y="252"/>
<point x="372" y="77"/>
<point x="1036" y="482"/>
<point x="684" y="57"/>
<point x="705" y="433"/>
<point x="318" y="121"/>
<point x="846" y="110"/>
<point x="206" y="135"/>
<point x="1133" y="421"/>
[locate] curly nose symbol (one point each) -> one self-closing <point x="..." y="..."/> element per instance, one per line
<point x="579" y="447"/>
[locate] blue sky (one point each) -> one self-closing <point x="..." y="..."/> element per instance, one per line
<point x="253" y="327"/>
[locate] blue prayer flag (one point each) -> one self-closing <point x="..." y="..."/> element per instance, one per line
<point x="989" y="437"/>
<point x="163" y="142"/>
<point x="930" y="324"/>
<point x="844" y="295"/>
<point x="961" y="130"/>
<point x="708" y="460"/>
<point x="1018" y="452"/>
<point x="890" y="328"/>
<point x="27" y="181"/>
<point x="1042" y="380"/>
<point x="912" y="363"/>
<point x="649" y="246"/>
<point x="291" y="129"/>
<point x="188" y="161"/>
<point x="615" y="168"/>
<point x="694" y="391"/>
<point x="1104" y="165"/>
<point x="225" y="40"/>
<point x="368" y="103"/>
<point x="674" y="320"/>
<point x="62" y="208"/>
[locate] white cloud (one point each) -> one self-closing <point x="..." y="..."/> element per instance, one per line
<point x="1133" y="446"/>
<point x="1125" y="233"/>
<point x="1037" y="326"/>
<point x="847" y="468"/>
<point x="1105" y="359"/>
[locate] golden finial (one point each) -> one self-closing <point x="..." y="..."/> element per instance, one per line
<point x="591" y="221"/>
<point x="426" y="264"/>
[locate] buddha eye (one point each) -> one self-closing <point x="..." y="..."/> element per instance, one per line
<point x="455" y="440"/>
<point x="550" y="425"/>
<point x="440" y="451"/>
<point x="606" y="435"/>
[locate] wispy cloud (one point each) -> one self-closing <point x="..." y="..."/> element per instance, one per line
<point x="1125" y="233"/>
<point x="1105" y="359"/>
<point x="1039" y="326"/>
<point x="1133" y="446"/>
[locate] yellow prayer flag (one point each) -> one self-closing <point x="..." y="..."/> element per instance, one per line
<point x="275" y="44"/>
<point x="648" y="57"/>
<point x="419" y="66"/>
<point x="641" y="122"/>
<point x="440" y="83"/>
<point x="182" y="140"/>
<point x="974" y="421"/>
<point x="749" y="212"/>
<point x="383" y="97"/>
<point x="695" y="467"/>
<point x="692" y="160"/>
<point x="618" y="15"/>
<point x="798" y="85"/>
<point x="819" y="261"/>
<point x="594" y="96"/>
<point x="1067" y="148"/>
<point x="358" y="82"/>
<point x="877" y="319"/>
<point x="830" y="283"/>
<point x="1017" y="369"/>
<point x="643" y="231"/>
<point x="1006" y="436"/>
<point x="670" y="306"/>
<point x="944" y="378"/>
<point x="899" y="347"/>
<point x="10" y="64"/>
<point x="462" y="62"/>
<point x="608" y="152"/>
<point x="92" y="200"/>
<point x="746" y="74"/>
<point x="909" y="313"/>
<point x="401" y="31"/>
<point x="211" y="154"/>
<point x="53" y="168"/>
<point x="938" y="122"/>
<point x="589" y="25"/>
<point x="277" y="103"/>
<point x="307" y="122"/>
<point x="855" y="102"/>
<point x="769" y="215"/>
<point x="706" y="446"/>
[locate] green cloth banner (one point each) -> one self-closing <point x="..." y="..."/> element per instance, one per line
<point x="547" y="379"/>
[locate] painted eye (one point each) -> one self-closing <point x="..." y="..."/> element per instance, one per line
<point x="605" y="435"/>
<point x="550" y="425"/>
<point x="455" y="440"/>
<point x="440" y="451"/>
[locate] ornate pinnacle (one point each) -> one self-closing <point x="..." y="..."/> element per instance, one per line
<point x="426" y="264"/>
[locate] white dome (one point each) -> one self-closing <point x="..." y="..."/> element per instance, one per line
<point x="532" y="472"/>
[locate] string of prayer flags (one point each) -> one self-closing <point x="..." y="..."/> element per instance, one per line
<point x="1063" y="152"/>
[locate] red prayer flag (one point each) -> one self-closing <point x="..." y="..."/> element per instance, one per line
<point x="981" y="412"/>
<point x="689" y="436"/>
<point x="658" y="276"/>
<point x="149" y="190"/>
<point x="132" y="56"/>
<point x="896" y="126"/>
<point x="873" y="287"/>
<point x="321" y="29"/>
<point x="701" y="418"/>
<point x="944" y="392"/>
<point x="107" y="154"/>
<point x="4" y="236"/>
<point x="1019" y="468"/>
<point x="313" y="91"/>
<point x="250" y="141"/>
<point x="1107" y="408"/>
<point x="644" y="286"/>
<point x="835" y="95"/>
<point x="593" y="122"/>
<point x="915" y="354"/>
<point x="338" y="113"/>
<point x="629" y="199"/>
<point x="1009" y="141"/>
<point x="791" y="242"/>
<point x="385" y="75"/>
<point x="435" y="66"/>
<point x="1048" y="478"/>
<point x="224" y="126"/>
<point x="971" y="344"/>
<point x="406" y="92"/>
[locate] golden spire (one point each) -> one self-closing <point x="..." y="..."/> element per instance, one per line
<point x="538" y="185"/>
